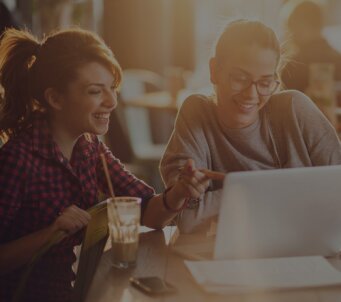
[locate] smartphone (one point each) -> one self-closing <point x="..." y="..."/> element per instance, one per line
<point x="152" y="285"/>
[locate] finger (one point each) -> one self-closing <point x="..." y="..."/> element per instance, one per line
<point x="75" y="226"/>
<point x="83" y="214"/>
<point x="199" y="184"/>
<point x="191" y="189"/>
<point x="67" y="224"/>
<point x="80" y="214"/>
<point x="189" y="166"/>
<point x="200" y="176"/>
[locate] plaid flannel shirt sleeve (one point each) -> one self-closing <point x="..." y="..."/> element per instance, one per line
<point x="12" y="184"/>
<point x="124" y="182"/>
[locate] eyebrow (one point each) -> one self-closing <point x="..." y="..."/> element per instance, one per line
<point x="94" y="84"/>
<point x="100" y="85"/>
<point x="247" y="73"/>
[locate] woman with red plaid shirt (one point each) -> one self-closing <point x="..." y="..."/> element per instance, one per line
<point x="58" y="96"/>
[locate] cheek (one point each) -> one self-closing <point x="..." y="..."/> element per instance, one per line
<point x="263" y="100"/>
<point x="84" y="105"/>
<point x="223" y="92"/>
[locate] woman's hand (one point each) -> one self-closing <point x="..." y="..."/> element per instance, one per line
<point x="192" y="183"/>
<point x="71" y="220"/>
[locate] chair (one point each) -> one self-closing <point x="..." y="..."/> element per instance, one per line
<point x="139" y="81"/>
<point x="141" y="161"/>
<point x="130" y="133"/>
<point x="95" y="238"/>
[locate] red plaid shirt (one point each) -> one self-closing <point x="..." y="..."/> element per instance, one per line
<point x="36" y="183"/>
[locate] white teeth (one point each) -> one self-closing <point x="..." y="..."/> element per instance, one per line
<point x="102" y="115"/>
<point x="247" y="106"/>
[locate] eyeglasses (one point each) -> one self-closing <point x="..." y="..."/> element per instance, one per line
<point x="264" y="87"/>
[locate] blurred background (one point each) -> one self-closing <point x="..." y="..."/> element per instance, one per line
<point x="164" y="46"/>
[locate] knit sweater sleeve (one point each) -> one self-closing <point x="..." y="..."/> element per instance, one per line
<point x="187" y="141"/>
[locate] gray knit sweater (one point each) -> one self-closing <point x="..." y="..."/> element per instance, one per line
<point x="291" y="132"/>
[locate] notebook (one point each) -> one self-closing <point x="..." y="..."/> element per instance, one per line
<point x="245" y="276"/>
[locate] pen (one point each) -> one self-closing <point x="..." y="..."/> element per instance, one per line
<point x="210" y="174"/>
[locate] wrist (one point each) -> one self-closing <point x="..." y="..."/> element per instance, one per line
<point x="178" y="192"/>
<point x="170" y="201"/>
<point x="52" y="228"/>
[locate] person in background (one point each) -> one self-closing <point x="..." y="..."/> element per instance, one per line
<point x="7" y="20"/>
<point x="248" y="124"/>
<point x="58" y="96"/>
<point x="307" y="45"/>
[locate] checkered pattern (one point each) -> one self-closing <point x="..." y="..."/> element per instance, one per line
<point x="36" y="183"/>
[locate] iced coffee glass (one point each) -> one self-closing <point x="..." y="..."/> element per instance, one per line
<point x="124" y="220"/>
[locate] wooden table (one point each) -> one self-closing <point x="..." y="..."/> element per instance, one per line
<point x="155" y="259"/>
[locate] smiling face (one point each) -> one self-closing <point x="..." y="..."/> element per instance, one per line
<point x="238" y="104"/>
<point x="88" y="101"/>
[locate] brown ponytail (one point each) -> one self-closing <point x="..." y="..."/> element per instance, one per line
<point x="17" y="52"/>
<point x="28" y="67"/>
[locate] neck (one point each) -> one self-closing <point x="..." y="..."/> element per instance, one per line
<point x="64" y="138"/>
<point x="229" y="123"/>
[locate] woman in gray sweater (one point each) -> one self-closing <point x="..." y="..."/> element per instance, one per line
<point x="248" y="124"/>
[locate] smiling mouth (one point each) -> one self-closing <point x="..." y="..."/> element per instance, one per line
<point x="246" y="107"/>
<point x="101" y="116"/>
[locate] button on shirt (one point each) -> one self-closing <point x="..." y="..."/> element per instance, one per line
<point x="37" y="183"/>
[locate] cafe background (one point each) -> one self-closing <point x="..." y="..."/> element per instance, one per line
<point x="163" y="47"/>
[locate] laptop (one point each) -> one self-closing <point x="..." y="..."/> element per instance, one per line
<point x="277" y="213"/>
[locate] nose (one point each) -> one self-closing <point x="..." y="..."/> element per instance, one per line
<point x="251" y="91"/>
<point x="110" y="100"/>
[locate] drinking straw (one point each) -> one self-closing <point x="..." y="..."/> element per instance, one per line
<point x="107" y="176"/>
<point x="112" y="194"/>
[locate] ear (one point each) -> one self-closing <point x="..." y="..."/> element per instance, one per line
<point x="53" y="98"/>
<point x="213" y="71"/>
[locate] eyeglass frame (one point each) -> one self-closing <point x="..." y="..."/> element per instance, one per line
<point x="277" y="82"/>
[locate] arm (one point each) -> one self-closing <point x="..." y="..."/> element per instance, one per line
<point x="17" y="252"/>
<point x="192" y="184"/>
<point x="154" y="213"/>
<point x="189" y="141"/>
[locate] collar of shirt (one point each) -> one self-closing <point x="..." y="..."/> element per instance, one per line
<point x="43" y="143"/>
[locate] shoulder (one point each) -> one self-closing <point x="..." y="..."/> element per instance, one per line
<point x="291" y="106"/>
<point x="197" y="105"/>
<point x="290" y="101"/>
<point x="16" y="146"/>
<point x="15" y="154"/>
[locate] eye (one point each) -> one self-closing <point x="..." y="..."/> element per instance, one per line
<point x="95" y="91"/>
<point x="266" y="83"/>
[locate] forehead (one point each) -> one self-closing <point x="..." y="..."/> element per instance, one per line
<point x="255" y="60"/>
<point x="94" y="72"/>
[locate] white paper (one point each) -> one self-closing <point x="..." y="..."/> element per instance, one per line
<point x="262" y="274"/>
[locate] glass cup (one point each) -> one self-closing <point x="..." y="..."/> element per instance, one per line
<point x="124" y="220"/>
